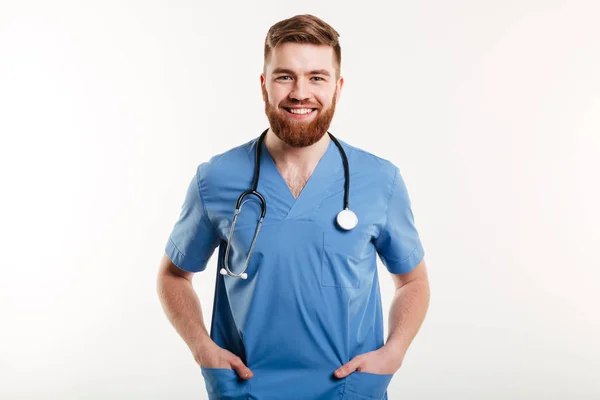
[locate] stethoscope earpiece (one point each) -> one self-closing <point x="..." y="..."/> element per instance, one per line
<point x="242" y="275"/>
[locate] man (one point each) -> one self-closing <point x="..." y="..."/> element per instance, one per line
<point x="306" y="320"/>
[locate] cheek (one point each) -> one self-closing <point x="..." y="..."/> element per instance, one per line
<point x="325" y="98"/>
<point x="325" y="103"/>
<point x="276" y="95"/>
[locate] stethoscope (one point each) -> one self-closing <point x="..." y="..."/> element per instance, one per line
<point x="346" y="219"/>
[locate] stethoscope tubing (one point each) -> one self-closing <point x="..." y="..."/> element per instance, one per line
<point x="263" y="203"/>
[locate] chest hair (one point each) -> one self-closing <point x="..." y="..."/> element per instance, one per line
<point x="296" y="180"/>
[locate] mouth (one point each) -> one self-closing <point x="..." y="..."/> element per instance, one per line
<point x="300" y="113"/>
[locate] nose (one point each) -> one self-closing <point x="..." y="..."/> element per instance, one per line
<point x="301" y="90"/>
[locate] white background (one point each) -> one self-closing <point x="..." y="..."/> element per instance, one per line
<point x="490" y="108"/>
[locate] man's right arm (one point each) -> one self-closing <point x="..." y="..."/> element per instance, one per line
<point x="183" y="309"/>
<point x="181" y="305"/>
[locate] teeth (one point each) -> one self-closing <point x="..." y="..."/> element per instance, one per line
<point x="300" y="111"/>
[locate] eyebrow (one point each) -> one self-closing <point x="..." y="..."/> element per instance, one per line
<point x="290" y="72"/>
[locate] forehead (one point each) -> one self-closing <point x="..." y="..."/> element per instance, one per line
<point x="302" y="57"/>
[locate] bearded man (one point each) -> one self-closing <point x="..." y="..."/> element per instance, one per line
<point x="297" y="310"/>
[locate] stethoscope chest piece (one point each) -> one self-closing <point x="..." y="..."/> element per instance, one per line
<point x="346" y="219"/>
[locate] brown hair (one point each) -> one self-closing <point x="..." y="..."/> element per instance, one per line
<point x="304" y="29"/>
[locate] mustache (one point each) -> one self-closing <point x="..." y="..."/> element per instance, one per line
<point x="299" y="105"/>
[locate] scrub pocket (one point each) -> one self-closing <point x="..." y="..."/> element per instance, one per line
<point x="366" y="386"/>
<point x="346" y="259"/>
<point x="224" y="384"/>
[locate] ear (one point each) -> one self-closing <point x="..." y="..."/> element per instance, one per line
<point x="263" y="87"/>
<point x="338" y="88"/>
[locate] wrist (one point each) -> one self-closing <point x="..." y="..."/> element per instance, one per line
<point x="394" y="352"/>
<point x="200" y="348"/>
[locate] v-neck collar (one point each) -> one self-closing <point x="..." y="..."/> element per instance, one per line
<point x="278" y="193"/>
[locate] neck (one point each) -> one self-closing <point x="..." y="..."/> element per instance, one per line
<point x="304" y="158"/>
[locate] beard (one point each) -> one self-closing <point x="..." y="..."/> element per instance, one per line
<point x="298" y="133"/>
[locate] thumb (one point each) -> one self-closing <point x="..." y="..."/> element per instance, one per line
<point x="348" y="368"/>
<point x="241" y="369"/>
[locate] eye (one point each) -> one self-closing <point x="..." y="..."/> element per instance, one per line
<point x="319" y="78"/>
<point x="281" y="77"/>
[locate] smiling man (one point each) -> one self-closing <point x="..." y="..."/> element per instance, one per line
<point x="297" y="311"/>
<point x="300" y="108"/>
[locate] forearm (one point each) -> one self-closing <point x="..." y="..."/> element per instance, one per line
<point x="407" y="313"/>
<point x="183" y="309"/>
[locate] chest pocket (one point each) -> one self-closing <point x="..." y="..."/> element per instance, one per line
<point x="347" y="259"/>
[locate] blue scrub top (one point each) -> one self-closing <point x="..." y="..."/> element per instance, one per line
<point x="312" y="300"/>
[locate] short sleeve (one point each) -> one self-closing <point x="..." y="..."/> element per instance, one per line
<point x="398" y="243"/>
<point x="193" y="240"/>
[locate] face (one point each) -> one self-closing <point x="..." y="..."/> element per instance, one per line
<point x="300" y="90"/>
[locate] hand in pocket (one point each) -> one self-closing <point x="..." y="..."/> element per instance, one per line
<point x="213" y="356"/>
<point x="380" y="362"/>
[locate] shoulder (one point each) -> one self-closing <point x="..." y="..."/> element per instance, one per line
<point x="375" y="168"/>
<point x="226" y="165"/>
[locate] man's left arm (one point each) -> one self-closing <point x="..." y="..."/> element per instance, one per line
<point x="407" y="313"/>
